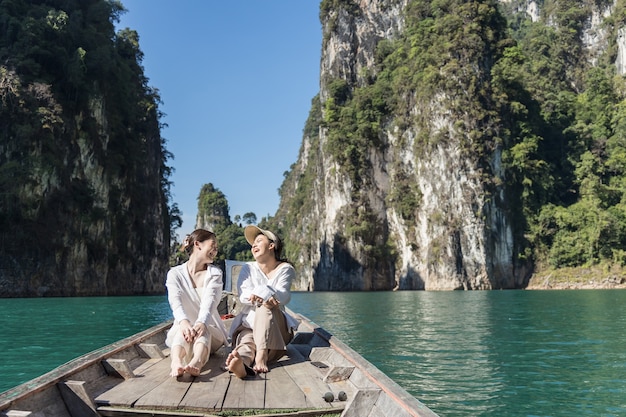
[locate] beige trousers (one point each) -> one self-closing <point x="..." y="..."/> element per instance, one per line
<point x="270" y="332"/>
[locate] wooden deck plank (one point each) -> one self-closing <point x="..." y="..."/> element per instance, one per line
<point x="281" y="391"/>
<point x="142" y="368"/>
<point x="307" y="377"/>
<point x="167" y="395"/>
<point x="245" y="393"/>
<point x="208" y="390"/>
<point x="128" y="392"/>
<point x="310" y="384"/>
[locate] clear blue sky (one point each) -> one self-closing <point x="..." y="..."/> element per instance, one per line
<point x="236" y="79"/>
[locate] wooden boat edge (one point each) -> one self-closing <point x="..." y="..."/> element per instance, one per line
<point x="51" y="378"/>
<point x="394" y="394"/>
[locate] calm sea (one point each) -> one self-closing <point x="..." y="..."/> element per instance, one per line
<point x="490" y="353"/>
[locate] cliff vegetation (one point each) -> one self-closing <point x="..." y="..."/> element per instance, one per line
<point x="214" y="215"/>
<point x="84" y="191"/>
<point x="461" y="145"/>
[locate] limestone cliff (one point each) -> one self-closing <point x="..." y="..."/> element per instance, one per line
<point x="455" y="239"/>
<point x="424" y="204"/>
<point x="84" y="201"/>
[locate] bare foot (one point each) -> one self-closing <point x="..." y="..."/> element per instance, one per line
<point x="192" y="370"/>
<point x="194" y="367"/>
<point x="177" y="370"/>
<point x="235" y="364"/>
<point x="260" y="361"/>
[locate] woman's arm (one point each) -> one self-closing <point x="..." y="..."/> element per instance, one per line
<point x="175" y="295"/>
<point x="211" y="294"/>
<point x="245" y="284"/>
<point x="282" y="283"/>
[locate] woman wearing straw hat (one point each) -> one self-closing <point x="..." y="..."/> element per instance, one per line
<point x="261" y="332"/>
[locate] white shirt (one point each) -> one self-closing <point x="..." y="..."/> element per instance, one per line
<point x="254" y="281"/>
<point x="187" y="304"/>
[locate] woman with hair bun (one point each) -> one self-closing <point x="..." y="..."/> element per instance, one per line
<point x="194" y="290"/>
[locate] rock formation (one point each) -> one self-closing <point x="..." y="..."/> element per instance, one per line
<point x="424" y="205"/>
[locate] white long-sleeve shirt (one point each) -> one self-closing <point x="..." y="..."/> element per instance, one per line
<point x="254" y="281"/>
<point x="186" y="303"/>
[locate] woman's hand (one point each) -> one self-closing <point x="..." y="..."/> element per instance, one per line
<point x="271" y="303"/>
<point x="255" y="300"/>
<point x="189" y="333"/>
<point x="200" y="329"/>
<point x="258" y="301"/>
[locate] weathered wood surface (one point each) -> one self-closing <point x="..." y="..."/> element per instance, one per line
<point x="292" y="383"/>
<point x="41" y="396"/>
<point x="131" y="378"/>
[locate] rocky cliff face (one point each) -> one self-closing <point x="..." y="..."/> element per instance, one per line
<point x="457" y="238"/>
<point x="460" y="232"/>
<point x="84" y="192"/>
<point x="82" y="229"/>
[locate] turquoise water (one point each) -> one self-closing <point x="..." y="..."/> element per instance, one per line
<point x="39" y="334"/>
<point x="492" y="354"/>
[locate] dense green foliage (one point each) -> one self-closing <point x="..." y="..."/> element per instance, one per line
<point x="563" y="157"/>
<point x="532" y="90"/>
<point x="82" y="161"/>
<point x="213" y="211"/>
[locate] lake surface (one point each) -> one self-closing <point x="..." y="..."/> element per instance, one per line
<point x="482" y="353"/>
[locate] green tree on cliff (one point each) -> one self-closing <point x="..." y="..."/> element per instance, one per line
<point x="84" y="169"/>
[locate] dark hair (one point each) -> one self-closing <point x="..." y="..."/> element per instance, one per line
<point x="278" y="248"/>
<point x="198" y="235"/>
